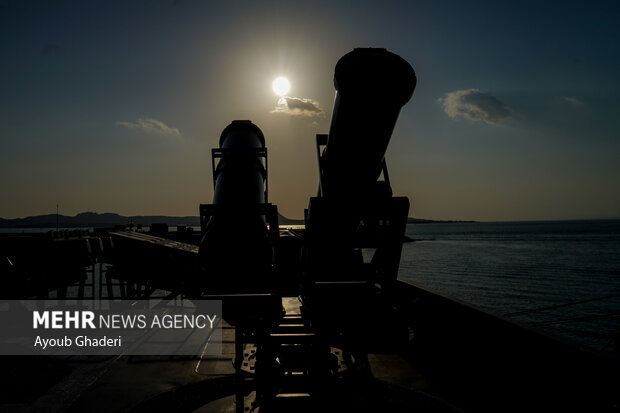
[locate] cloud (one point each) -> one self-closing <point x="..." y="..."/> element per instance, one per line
<point x="299" y="107"/>
<point x="572" y="100"/>
<point x="475" y="105"/>
<point x="150" y="126"/>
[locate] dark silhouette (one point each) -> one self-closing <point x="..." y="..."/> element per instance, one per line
<point x="236" y="251"/>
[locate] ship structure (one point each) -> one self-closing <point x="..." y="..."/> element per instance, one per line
<point x="315" y="318"/>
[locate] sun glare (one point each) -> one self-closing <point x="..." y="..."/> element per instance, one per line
<point x="281" y="86"/>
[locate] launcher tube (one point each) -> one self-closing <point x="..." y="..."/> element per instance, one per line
<point x="372" y="85"/>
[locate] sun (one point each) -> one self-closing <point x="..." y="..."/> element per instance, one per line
<point x="281" y="86"/>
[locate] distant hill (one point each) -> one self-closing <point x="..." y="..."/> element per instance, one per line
<point x="106" y="220"/>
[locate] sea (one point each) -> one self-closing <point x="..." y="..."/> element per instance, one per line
<point x="562" y="277"/>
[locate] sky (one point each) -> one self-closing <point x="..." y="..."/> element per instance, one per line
<point x="114" y="106"/>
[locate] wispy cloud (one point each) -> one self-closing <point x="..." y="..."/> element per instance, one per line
<point x="475" y="105"/>
<point x="150" y="125"/>
<point x="299" y="107"/>
<point x="573" y="100"/>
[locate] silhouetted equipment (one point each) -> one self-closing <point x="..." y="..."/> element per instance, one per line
<point x="32" y="265"/>
<point x="236" y="250"/>
<point x="353" y="216"/>
<point x="372" y="86"/>
<point x="354" y="227"/>
<point x="158" y="229"/>
<point x="240" y="177"/>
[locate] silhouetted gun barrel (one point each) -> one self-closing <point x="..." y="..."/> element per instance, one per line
<point x="354" y="209"/>
<point x="372" y="86"/>
<point x="240" y="174"/>
<point x="235" y="248"/>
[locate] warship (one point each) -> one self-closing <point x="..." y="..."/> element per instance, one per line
<point x="315" y="318"/>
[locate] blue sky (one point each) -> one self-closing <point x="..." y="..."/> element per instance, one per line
<point x="114" y="106"/>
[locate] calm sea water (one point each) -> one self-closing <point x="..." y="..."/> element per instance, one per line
<point x="510" y="267"/>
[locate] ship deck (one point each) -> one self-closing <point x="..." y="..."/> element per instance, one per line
<point x="461" y="359"/>
<point x="198" y="384"/>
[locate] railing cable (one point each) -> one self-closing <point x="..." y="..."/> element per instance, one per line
<point x="552" y="307"/>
